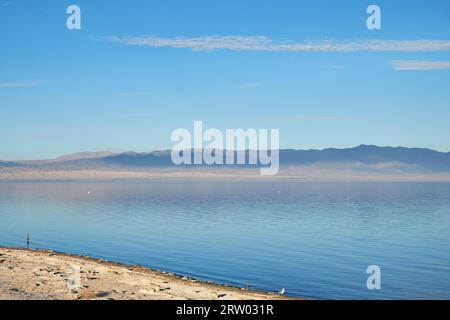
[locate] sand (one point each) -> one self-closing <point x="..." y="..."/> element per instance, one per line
<point x="47" y="275"/>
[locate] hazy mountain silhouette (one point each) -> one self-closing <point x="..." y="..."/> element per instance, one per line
<point x="9" y="164"/>
<point x="367" y="154"/>
<point x="418" y="158"/>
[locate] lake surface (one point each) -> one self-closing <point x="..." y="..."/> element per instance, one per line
<point x="314" y="239"/>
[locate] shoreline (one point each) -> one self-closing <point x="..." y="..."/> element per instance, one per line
<point x="36" y="274"/>
<point x="298" y="174"/>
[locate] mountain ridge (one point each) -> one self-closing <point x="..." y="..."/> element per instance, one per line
<point x="419" y="158"/>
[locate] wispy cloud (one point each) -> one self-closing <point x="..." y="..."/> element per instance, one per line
<point x="319" y="117"/>
<point x="135" y="93"/>
<point x="416" y="65"/>
<point x="19" y="84"/>
<point x="263" y="43"/>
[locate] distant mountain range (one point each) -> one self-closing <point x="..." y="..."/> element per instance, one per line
<point x="418" y="159"/>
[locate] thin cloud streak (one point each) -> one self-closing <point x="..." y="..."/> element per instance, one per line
<point x="22" y="84"/>
<point x="135" y="93"/>
<point x="416" y="65"/>
<point x="317" y="117"/>
<point x="263" y="43"/>
<point x="249" y="85"/>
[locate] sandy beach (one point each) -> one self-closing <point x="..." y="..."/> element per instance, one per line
<point x="47" y="275"/>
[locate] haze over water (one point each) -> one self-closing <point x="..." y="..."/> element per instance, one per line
<point x="314" y="239"/>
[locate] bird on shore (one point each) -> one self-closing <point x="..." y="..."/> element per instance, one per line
<point x="281" y="292"/>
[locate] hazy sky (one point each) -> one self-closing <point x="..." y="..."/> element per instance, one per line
<point x="137" y="70"/>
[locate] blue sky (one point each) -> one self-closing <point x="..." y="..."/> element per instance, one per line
<point x="137" y="70"/>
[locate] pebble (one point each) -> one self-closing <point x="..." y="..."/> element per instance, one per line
<point x="102" y="294"/>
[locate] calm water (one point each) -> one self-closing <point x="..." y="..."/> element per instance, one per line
<point x="314" y="239"/>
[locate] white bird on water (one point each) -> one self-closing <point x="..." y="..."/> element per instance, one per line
<point x="281" y="292"/>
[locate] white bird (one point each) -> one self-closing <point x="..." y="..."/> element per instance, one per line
<point x="281" y="292"/>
